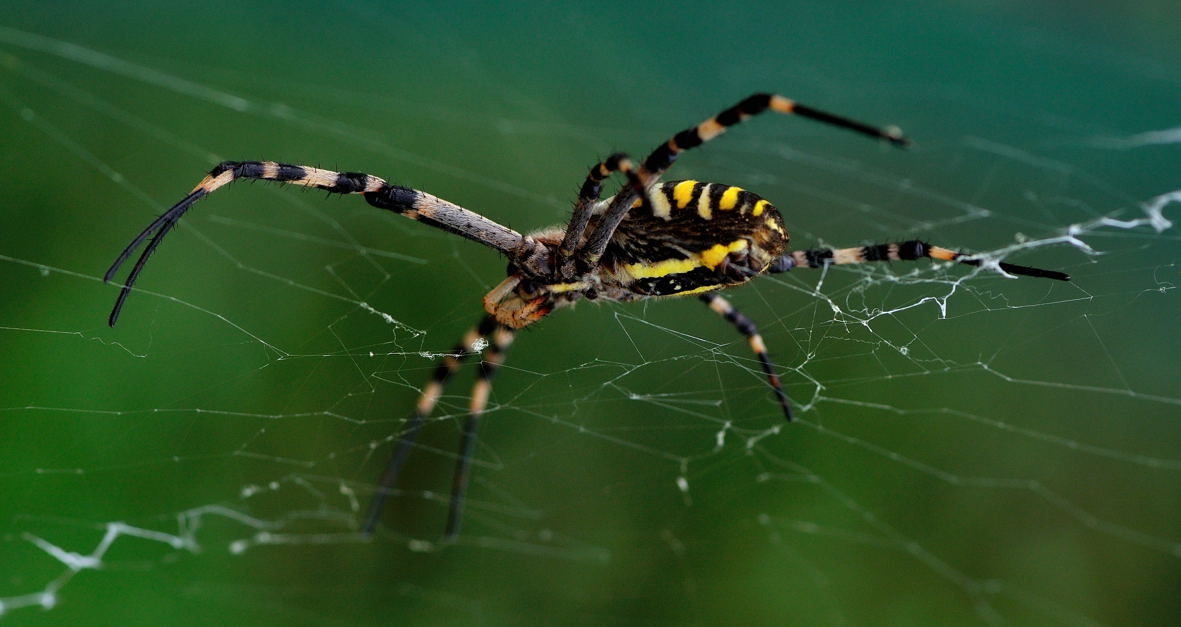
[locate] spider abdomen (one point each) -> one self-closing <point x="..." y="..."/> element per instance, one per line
<point x="688" y="236"/>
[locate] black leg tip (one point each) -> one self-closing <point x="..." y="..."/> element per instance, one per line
<point x="894" y="135"/>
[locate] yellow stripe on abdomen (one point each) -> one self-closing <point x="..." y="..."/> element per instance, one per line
<point x="710" y="258"/>
<point x="729" y="198"/>
<point x="683" y="193"/>
<point x="655" y="270"/>
<point x="714" y="255"/>
<point x="703" y="288"/>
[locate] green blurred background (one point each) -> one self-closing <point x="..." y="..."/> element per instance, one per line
<point x="969" y="450"/>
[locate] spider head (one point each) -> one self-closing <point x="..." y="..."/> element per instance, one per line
<point x="519" y="301"/>
<point x="533" y="289"/>
<point x="535" y="258"/>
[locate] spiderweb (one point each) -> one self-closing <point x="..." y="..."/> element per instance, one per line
<point x="968" y="447"/>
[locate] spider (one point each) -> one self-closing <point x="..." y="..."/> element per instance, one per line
<point x="649" y="240"/>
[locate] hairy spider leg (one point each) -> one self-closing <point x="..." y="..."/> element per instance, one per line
<point x="588" y="195"/>
<point x="427" y="400"/>
<point x="616" y="211"/>
<point x="411" y="203"/>
<point x="493" y="358"/>
<point x="747" y="328"/>
<point x="895" y="251"/>
<point x="661" y="159"/>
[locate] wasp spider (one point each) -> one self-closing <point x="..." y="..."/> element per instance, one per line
<point x="650" y="239"/>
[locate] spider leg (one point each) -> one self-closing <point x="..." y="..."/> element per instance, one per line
<point x="746" y="327"/>
<point x="422" y="409"/>
<point x="898" y="251"/>
<point x="408" y="202"/>
<point x="663" y="157"/>
<point x="621" y="203"/>
<point x="588" y="195"/>
<point x="493" y="358"/>
<point x="157" y="230"/>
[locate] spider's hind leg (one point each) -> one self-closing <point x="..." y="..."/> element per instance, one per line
<point x="722" y="307"/>
<point x="662" y="158"/>
<point x="422" y="409"/>
<point x="897" y="251"/>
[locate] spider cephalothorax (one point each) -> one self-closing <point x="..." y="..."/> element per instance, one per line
<point x="651" y="239"/>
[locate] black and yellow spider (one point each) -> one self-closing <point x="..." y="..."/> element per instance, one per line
<point x="650" y="239"/>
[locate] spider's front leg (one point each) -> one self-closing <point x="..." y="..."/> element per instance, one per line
<point x="411" y="203"/>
